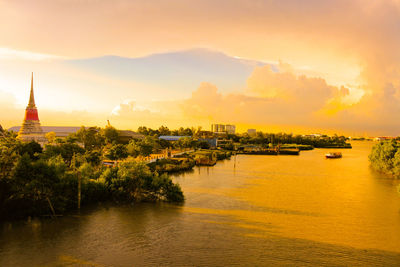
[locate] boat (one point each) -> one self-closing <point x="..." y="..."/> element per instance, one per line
<point x="333" y="155"/>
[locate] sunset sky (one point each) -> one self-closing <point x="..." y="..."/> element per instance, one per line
<point x="293" y="66"/>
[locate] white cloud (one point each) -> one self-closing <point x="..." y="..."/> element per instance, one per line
<point x="7" y="53"/>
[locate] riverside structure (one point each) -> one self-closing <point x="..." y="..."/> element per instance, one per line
<point x="31" y="129"/>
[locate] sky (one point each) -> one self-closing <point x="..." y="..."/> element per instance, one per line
<point x="277" y="66"/>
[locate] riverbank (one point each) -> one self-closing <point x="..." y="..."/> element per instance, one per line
<point x="186" y="161"/>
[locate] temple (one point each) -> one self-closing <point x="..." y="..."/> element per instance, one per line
<point x="31" y="129"/>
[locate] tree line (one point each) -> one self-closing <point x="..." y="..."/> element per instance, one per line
<point x="45" y="181"/>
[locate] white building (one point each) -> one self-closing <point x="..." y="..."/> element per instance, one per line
<point x="223" y="128"/>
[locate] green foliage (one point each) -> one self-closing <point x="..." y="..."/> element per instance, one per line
<point x="144" y="147"/>
<point x="91" y="138"/>
<point x="87" y="171"/>
<point x="35" y="188"/>
<point x="9" y="155"/>
<point x="51" y="137"/>
<point x="264" y="139"/>
<point x="385" y="157"/>
<point x="33" y="149"/>
<point x="36" y="182"/>
<point x="163" y="130"/>
<point x="186" y="142"/>
<point x="93" y="157"/>
<point x="110" y="135"/>
<point x="65" y="150"/>
<point x="134" y="181"/>
<point x="204" y="145"/>
<point x="172" y="165"/>
<point x="117" y="152"/>
<point x="162" y="187"/>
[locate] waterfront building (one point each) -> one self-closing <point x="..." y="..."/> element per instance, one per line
<point x="31" y="129"/>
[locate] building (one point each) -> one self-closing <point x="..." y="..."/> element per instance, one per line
<point x="230" y="129"/>
<point x="172" y="138"/>
<point x="217" y="128"/>
<point x="252" y="132"/>
<point x="31" y="129"/>
<point x="223" y="128"/>
<point x="60" y="131"/>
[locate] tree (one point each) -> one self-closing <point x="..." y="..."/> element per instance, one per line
<point x="185" y="132"/>
<point x="143" y="147"/>
<point x="204" y="145"/>
<point x="66" y="150"/>
<point x="35" y="182"/>
<point x="143" y="130"/>
<point x="91" y="138"/>
<point x="8" y="156"/>
<point x="32" y="148"/>
<point x="110" y="135"/>
<point x="385" y="157"/>
<point x="93" y="157"/>
<point x="116" y="152"/>
<point x="87" y="171"/>
<point x="137" y="182"/>
<point x="185" y="142"/>
<point x="163" y="130"/>
<point x="51" y="137"/>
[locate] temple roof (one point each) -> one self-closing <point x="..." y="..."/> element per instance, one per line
<point x="31" y="97"/>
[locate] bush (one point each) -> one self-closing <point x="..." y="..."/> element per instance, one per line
<point x="385" y="157"/>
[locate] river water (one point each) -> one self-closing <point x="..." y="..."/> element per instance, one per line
<point x="248" y="211"/>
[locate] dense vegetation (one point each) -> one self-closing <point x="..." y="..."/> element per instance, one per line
<point x="385" y="158"/>
<point x="37" y="181"/>
<point x="271" y="139"/>
<point x="303" y="142"/>
<point x="171" y="165"/>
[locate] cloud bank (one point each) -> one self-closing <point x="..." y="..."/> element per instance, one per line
<point x="351" y="44"/>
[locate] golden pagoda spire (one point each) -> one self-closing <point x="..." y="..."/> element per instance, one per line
<point x="32" y="97"/>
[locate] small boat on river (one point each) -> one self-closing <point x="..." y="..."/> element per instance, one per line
<point x="333" y="155"/>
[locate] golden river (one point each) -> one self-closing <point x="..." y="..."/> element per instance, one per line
<point x="247" y="211"/>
